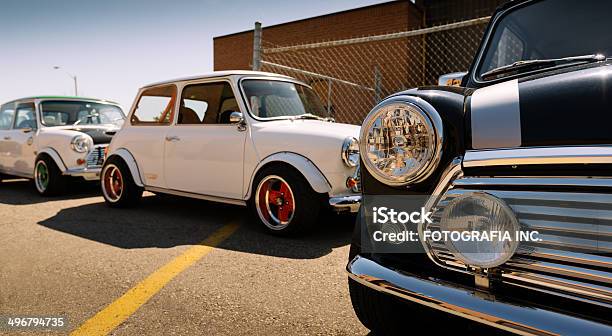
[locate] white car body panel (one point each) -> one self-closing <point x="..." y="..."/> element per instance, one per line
<point x="221" y="161"/>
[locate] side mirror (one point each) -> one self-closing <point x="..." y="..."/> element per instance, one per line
<point x="236" y="117"/>
<point x="451" y="79"/>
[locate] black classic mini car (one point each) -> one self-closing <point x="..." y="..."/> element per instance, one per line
<point x="524" y="147"/>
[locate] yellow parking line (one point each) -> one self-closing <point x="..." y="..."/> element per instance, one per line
<point x="117" y="312"/>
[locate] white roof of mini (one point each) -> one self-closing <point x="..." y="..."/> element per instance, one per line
<point x="221" y="74"/>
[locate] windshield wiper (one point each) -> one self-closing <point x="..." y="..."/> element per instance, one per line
<point x="309" y="116"/>
<point x="541" y="63"/>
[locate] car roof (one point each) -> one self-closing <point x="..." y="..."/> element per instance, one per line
<point x="63" y="98"/>
<point x="220" y="74"/>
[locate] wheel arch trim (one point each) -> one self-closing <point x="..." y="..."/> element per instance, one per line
<point x="52" y="153"/>
<point x="129" y="160"/>
<point x="307" y="168"/>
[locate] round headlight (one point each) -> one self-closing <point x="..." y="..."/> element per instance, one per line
<point x="474" y="215"/>
<point x="401" y="140"/>
<point x="350" y="151"/>
<point x="80" y="144"/>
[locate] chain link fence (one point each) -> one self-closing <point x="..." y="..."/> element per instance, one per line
<point x="352" y="75"/>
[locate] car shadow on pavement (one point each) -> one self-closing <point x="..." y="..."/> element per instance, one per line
<point x="167" y="221"/>
<point x="22" y="191"/>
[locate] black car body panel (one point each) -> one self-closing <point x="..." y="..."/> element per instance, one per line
<point x="541" y="141"/>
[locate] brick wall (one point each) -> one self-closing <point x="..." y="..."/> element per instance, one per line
<point x="235" y="51"/>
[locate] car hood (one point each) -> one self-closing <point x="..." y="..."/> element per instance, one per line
<point x="309" y="128"/>
<point x="101" y="134"/>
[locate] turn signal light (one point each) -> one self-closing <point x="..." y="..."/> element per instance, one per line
<point x="80" y="162"/>
<point x="351" y="182"/>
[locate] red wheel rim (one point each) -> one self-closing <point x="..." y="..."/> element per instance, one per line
<point x="112" y="183"/>
<point x="275" y="202"/>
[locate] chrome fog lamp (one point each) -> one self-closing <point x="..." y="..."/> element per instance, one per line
<point x="480" y="212"/>
<point x="350" y="151"/>
<point x="401" y="140"/>
<point x="80" y="144"/>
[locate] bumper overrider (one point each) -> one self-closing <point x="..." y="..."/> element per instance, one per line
<point x="470" y="303"/>
<point x="345" y="203"/>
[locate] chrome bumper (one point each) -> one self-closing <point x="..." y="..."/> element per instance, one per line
<point x="468" y="303"/>
<point x="89" y="174"/>
<point x="345" y="203"/>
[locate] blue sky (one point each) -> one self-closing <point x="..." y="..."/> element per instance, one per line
<point x="116" y="46"/>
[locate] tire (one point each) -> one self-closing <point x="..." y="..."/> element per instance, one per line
<point x="280" y="184"/>
<point x="378" y="312"/>
<point x="48" y="179"/>
<point x="117" y="184"/>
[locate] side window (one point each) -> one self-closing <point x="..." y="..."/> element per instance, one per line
<point x="155" y="106"/>
<point x="25" y="116"/>
<point x="209" y="103"/>
<point x="7" y="112"/>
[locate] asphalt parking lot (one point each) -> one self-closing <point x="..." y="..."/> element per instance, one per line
<point x="172" y="266"/>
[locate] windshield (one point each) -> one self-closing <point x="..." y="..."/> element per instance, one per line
<point x="61" y="113"/>
<point x="571" y="28"/>
<point x="273" y="99"/>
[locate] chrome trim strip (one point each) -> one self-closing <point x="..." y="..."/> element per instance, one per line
<point x="468" y="303"/>
<point x="344" y="203"/>
<point x="535" y="181"/>
<point x="496" y="116"/>
<point x="92" y="173"/>
<point x="538" y="155"/>
<point x="198" y="196"/>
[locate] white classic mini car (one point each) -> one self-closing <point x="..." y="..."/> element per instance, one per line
<point x="240" y="137"/>
<point x="48" y="139"/>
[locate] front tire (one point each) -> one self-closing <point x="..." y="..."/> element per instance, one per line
<point x="283" y="201"/>
<point x="48" y="178"/>
<point x="118" y="187"/>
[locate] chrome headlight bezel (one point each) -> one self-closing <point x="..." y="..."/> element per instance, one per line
<point x="81" y="143"/>
<point x="432" y="122"/>
<point x="505" y="215"/>
<point x="350" y="152"/>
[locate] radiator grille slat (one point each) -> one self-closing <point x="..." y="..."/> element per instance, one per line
<point x="573" y="259"/>
<point x="95" y="158"/>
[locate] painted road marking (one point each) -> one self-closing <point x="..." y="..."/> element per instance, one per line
<point x="117" y="312"/>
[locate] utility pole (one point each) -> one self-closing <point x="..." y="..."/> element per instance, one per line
<point x="257" y="47"/>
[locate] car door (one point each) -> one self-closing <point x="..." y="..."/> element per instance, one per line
<point x="7" y="114"/>
<point x="145" y="137"/>
<point x="23" y="151"/>
<point x="204" y="152"/>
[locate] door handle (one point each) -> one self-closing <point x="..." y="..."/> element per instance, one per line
<point x="7" y="138"/>
<point x="172" y="138"/>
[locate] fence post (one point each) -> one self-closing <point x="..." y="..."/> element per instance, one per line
<point x="329" y="93"/>
<point x="377" y="85"/>
<point x="257" y="47"/>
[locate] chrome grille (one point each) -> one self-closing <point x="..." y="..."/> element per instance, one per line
<point x="95" y="158"/>
<point x="574" y="257"/>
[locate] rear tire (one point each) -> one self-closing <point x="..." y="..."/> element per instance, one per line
<point x="48" y="178"/>
<point x="283" y="201"/>
<point x="118" y="187"/>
